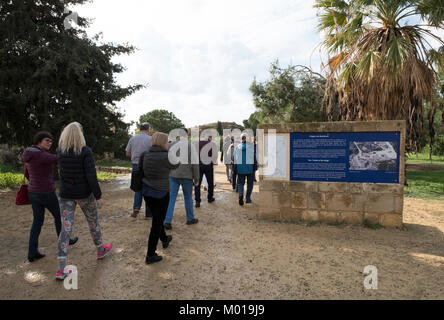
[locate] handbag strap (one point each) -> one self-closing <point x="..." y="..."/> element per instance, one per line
<point x="24" y="174"/>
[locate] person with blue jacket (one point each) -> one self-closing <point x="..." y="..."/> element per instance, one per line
<point x="244" y="160"/>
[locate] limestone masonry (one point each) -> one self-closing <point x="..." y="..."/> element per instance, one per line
<point x="335" y="202"/>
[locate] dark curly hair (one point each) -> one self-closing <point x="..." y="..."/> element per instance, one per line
<point x="39" y="136"/>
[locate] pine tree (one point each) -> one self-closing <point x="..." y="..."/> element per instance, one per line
<point x="51" y="75"/>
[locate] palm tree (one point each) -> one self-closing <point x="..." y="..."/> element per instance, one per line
<point x="380" y="66"/>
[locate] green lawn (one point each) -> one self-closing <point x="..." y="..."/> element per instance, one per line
<point x="425" y="184"/>
<point x="115" y="163"/>
<point x="423" y="157"/>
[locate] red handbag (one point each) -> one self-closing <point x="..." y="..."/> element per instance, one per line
<point x="22" y="195"/>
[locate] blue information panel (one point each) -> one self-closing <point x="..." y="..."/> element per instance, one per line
<point x="345" y="157"/>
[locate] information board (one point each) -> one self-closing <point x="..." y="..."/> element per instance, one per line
<point x="345" y="157"/>
<point x="277" y="157"/>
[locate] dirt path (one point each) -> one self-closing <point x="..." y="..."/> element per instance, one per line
<point x="227" y="255"/>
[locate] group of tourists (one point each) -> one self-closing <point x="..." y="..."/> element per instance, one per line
<point x="162" y="179"/>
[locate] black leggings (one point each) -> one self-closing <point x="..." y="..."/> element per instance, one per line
<point x="159" y="209"/>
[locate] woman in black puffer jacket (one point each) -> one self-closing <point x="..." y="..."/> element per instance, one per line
<point x="156" y="188"/>
<point x="78" y="185"/>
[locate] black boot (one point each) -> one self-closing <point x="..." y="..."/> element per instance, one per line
<point x="73" y="240"/>
<point x="241" y="200"/>
<point x="37" y="256"/>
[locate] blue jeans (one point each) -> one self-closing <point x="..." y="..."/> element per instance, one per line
<point x="187" y="188"/>
<point x="241" y="183"/>
<point x="39" y="202"/>
<point x="138" y="198"/>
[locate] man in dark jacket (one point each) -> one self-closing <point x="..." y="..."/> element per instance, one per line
<point x="207" y="159"/>
<point x="136" y="146"/>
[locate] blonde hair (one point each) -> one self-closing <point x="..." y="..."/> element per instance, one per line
<point x="159" y="139"/>
<point x="72" y="138"/>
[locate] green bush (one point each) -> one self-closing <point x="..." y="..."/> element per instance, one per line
<point x="9" y="180"/>
<point x="104" y="176"/>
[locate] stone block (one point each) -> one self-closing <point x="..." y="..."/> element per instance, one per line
<point x="391" y="220"/>
<point x="289" y="214"/>
<point x="315" y="200"/>
<point x="333" y="187"/>
<point x="351" y="217"/>
<point x="380" y="203"/>
<point x="270" y="213"/>
<point x="365" y="126"/>
<point x="343" y="126"/>
<point x="299" y="200"/>
<point x="340" y="202"/>
<point x="310" y="215"/>
<point x="329" y="216"/>
<point x="266" y="199"/>
<point x="360" y="201"/>
<point x="302" y="186"/>
<point x="271" y="185"/>
<point x="391" y="125"/>
<point x="399" y="204"/>
<point x="383" y="188"/>
<point x="355" y="187"/>
<point x="282" y="200"/>
<point x="372" y="217"/>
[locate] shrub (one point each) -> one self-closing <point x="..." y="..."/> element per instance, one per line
<point x="9" y="180"/>
<point x="438" y="146"/>
<point x="11" y="156"/>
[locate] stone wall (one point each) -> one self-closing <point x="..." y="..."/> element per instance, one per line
<point x="335" y="202"/>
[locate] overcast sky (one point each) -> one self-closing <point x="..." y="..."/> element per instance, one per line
<point x="199" y="57"/>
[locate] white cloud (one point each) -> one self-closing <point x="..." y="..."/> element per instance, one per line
<point x="199" y="57"/>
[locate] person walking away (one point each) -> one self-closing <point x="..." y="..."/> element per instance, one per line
<point x="206" y="167"/>
<point x="39" y="168"/>
<point x="187" y="176"/>
<point x="78" y="186"/>
<point x="231" y="150"/>
<point x="255" y="159"/>
<point x="136" y="146"/>
<point x="156" y="172"/>
<point x="244" y="161"/>
<point x="224" y="155"/>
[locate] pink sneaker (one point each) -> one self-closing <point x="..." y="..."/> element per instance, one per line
<point x="107" y="248"/>
<point x="60" y="275"/>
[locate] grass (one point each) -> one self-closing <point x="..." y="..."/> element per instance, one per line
<point x="371" y="225"/>
<point x="115" y="163"/>
<point x="105" y="176"/>
<point x="425" y="184"/>
<point x="312" y="223"/>
<point x="423" y="157"/>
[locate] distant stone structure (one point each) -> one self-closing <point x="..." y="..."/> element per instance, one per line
<point x="320" y="200"/>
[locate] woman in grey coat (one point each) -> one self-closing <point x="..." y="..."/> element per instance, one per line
<point x="156" y="171"/>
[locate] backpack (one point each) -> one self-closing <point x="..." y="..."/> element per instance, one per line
<point x="137" y="175"/>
